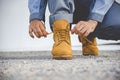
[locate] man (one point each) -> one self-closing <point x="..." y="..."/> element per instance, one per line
<point x="60" y="19"/>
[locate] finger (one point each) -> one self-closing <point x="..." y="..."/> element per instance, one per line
<point x="39" y="32"/>
<point x="76" y="29"/>
<point x="79" y="30"/>
<point x="81" y="26"/>
<point x="30" y="33"/>
<point x="86" y="33"/>
<point x="73" y="30"/>
<point x="84" y="29"/>
<point x="44" y="32"/>
<point x="36" y="33"/>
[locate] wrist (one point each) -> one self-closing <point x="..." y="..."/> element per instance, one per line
<point x="93" y="21"/>
<point x="36" y="20"/>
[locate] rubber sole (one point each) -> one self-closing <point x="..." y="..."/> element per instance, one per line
<point x="92" y="54"/>
<point x="62" y="57"/>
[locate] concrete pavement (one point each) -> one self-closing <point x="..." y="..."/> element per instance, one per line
<point x="40" y="66"/>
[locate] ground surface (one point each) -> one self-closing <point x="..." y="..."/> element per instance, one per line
<point x="41" y="66"/>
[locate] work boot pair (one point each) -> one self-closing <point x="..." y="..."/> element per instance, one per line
<point x="62" y="43"/>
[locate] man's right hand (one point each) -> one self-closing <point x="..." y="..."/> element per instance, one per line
<point x="38" y="28"/>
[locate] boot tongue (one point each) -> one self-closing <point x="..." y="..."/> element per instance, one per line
<point x="61" y="25"/>
<point x="61" y="31"/>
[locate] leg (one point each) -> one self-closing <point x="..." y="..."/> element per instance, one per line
<point x="61" y="15"/>
<point x="61" y="9"/>
<point x="109" y="29"/>
<point x="82" y="9"/>
<point x="109" y="33"/>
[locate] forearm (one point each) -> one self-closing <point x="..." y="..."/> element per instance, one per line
<point x="99" y="9"/>
<point x="37" y="9"/>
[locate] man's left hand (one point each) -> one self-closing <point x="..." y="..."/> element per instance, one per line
<point x="84" y="28"/>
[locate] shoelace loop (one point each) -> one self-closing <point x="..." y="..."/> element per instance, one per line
<point x="63" y="35"/>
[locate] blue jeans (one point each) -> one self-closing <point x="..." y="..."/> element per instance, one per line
<point x="61" y="9"/>
<point x="109" y="29"/>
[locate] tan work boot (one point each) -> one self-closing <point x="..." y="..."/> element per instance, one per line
<point x="89" y="47"/>
<point x="62" y="43"/>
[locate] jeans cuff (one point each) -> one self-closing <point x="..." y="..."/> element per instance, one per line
<point x="68" y="17"/>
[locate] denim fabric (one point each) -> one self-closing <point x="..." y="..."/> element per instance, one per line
<point x="37" y="9"/>
<point x="59" y="9"/>
<point x="82" y="10"/>
<point x="97" y="12"/>
<point x="109" y="29"/>
<point x="99" y="9"/>
<point x="104" y="11"/>
<point x="91" y="9"/>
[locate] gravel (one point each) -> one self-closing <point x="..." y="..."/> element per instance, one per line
<point x="40" y="66"/>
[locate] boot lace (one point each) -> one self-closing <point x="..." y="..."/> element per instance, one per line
<point x="63" y="35"/>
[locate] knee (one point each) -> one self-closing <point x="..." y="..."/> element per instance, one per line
<point x="111" y="28"/>
<point x="110" y="33"/>
<point x="115" y="28"/>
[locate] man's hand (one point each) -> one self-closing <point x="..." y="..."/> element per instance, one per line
<point x="38" y="28"/>
<point x="84" y="28"/>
